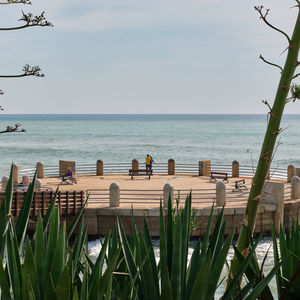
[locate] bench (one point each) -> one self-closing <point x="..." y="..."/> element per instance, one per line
<point x="218" y="175"/>
<point x="140" y="172"/>
<point x="239" y="185"/>
<point x="66" y="180"/>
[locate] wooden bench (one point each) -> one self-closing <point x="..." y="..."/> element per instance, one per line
<point x="239" y="185"/>
<point x="140" y="172"/>
<point x="218" y="175"/>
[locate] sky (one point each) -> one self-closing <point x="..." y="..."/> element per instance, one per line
<point x="145" y="56"/>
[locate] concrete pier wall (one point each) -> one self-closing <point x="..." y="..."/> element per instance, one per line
<point x="101" y="220"/>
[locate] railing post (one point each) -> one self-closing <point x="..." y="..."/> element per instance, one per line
<point x="204" y="167"/>
<point x="290" y="172"/>
<point x="15" y="174"/>
<point x="171" y="166"/>
<point x="135" y="164"/>
<point x="297" y="172"/>
<point x="39" y="170"/>
<point x="220" y="193"/>
<point x="99" y="167"/>
<point x="38" y="184"/>
<point x="114" y="195"/>
<point x="4" y="182"/>
<point x="168" y="191"/>
<point x="273" y="193"/>
<point x="235" y="169"/>
<point x="295" y="193"/>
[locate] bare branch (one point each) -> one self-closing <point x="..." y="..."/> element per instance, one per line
<point x="270" y="108"/>
<point x="269" y="63"/>
<point x="264" y="18"/>
<point x="28" y="71"/>
<point x="31" y="21"/>
<point x="14" y="128"/>
<point x="16" y="2"/>
<point x="295" y="76"/>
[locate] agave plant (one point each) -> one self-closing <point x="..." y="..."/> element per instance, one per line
<point x="49" y="266"/>
<point x="53" y="266"/>
<point x="288" y="276"/>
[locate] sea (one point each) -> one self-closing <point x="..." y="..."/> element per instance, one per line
<point x="85" y="138"/>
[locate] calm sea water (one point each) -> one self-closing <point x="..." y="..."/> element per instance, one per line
<point x="120" y="138"/>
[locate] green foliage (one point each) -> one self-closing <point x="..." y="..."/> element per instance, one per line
<point x="288" y="276"/>
<point x="295" y="91"/>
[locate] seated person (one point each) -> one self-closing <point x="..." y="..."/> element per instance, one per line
<point x="70" y="174"/>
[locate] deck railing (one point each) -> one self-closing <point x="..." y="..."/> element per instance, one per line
<point x="69" y="202"/>
<point x="158" y="168"/>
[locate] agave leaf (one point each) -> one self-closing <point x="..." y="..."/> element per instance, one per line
<point x="49" y="289"/>
<point x="75" y="294"/>
<point x="186" y="231"/>
<point x="149" y="246"/>
<point x="78" y="248"/>
<point x="52" y="238"/>
<point x="13" y="263"/>
<point x="5" y="210"/>
<point x="50" y="210"/>
<point x="176" y="261"/>
<point x="106" y="279"/>
<point x="108" y="291"/>
<point x="128" y="256"/>
<point x="231" y="288"/>
<point x="62" y="290"/>
<point x="149" y="286"/>
<point x="97" y="268"/>
<point x="276" y="261"/>
<point x="218" y="266"/>
<point x="286" y="268"/>
<point x="216" y="235"/>
<point x="26" y="289"/>
<point x="22" y="221"/>
<point x="192" y="271"/>
<point x="59" y="258"/>
<point x="30" y="270"/>
<point x="204" y="247"/>
<point x="94" y="288"/>
<point x="4" y="283"/>
<point x="39" y="254"/>
<point x="199" y="291"/>
<point x="73" y="223"/>
<point x="259" y="288"/>
<point x="113" y="244"/>
<point x="135" y="247"/>
<point x="253" y="272"/>
<point x="245" y="290"/>
<point x="166" y="290"/>
<point x="84" y="287"/>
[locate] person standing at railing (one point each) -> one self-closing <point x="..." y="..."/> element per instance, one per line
<point x="148" y="162"/>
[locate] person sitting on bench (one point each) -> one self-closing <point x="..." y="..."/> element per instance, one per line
<point x="69" y="175"/>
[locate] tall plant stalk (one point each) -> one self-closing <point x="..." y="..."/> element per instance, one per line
<point x="273" y="129"/>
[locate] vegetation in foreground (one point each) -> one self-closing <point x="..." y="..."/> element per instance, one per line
<point x="52" y="266"/>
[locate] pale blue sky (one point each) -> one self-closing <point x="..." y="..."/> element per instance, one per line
<point x="142" y="56"/>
